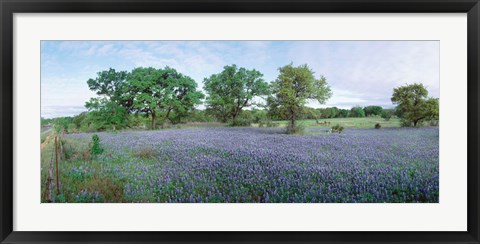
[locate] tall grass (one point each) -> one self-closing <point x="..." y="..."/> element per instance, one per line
<point x="80" y="175"/>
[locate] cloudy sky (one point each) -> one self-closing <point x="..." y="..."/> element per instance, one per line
<point x="359" y="72"/>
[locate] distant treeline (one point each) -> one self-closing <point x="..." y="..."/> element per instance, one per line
<point x="88" y="122"/>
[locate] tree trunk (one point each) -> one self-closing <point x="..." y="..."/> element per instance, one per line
<point x="234" y="118"/>
<point x="153" y="120"/>
<point x="165" y="119"/>
<point x="293" y="119"/>
<point x="50" y="185"/>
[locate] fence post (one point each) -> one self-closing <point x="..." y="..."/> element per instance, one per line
<point x="49" y="183"/>
<point x="56" y="165"/>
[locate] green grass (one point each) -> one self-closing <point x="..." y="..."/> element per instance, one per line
<point x="366" y="122"/>
<point x="74" y="156"/>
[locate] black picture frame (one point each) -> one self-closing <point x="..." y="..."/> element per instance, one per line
<point x="9" y="7"/>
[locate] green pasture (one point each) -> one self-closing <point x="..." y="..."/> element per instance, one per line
<point x="366" y="122"/>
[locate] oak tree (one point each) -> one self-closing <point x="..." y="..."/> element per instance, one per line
<point x="293" y="88"/>
<point x="162" y="90"/>
<point x="232" y="90"/>
<point x="414" y="105"/>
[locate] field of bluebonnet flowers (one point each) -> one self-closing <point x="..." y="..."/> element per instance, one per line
<point x="249" y="165"/>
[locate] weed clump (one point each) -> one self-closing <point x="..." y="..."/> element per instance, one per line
<point x="96" y="148"/>
<point x="337" y="129"/>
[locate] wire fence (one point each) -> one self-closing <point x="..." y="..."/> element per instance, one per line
<point x="53" y="187"/>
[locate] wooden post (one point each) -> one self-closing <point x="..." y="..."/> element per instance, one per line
<point x="62" y="152"/>
<point x="49" y="183"/>
<point x="56" y="165"/>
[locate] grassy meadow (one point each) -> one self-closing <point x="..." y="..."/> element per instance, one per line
<point x="364" y="122"/>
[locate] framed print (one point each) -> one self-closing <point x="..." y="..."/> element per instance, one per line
<point x="240" y="121"/>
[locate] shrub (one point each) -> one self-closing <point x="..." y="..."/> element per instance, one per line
<point x="259" y="115"/>
<point x="136" y="121"/>
<point x="378" y="126"/>
<point x="337" y="129"/>
<point x="406" y="123"/>
<point x="245" y="118"/>
<point x="96" y="148"/>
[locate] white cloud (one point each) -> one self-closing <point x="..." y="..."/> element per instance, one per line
<point x="344" y="99"/>
<point x="106" y="49"/>
<point x="144" y="58"/>
<point x="372" y="69"/>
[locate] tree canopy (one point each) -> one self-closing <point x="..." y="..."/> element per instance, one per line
<point x="108" y="83"/>
<point x="232" y="90"/>
<point x="357" y="112"/>
<point x="373" y="111"/>
<point x="110" y="108"/>
<point x="180" y="95"/>
<point x="144" y="90"/>
<point x="414" y="105"/>
<point x="105" y="113"/>
<point x="162" y="90"/>
<point x="292" y="89"/>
